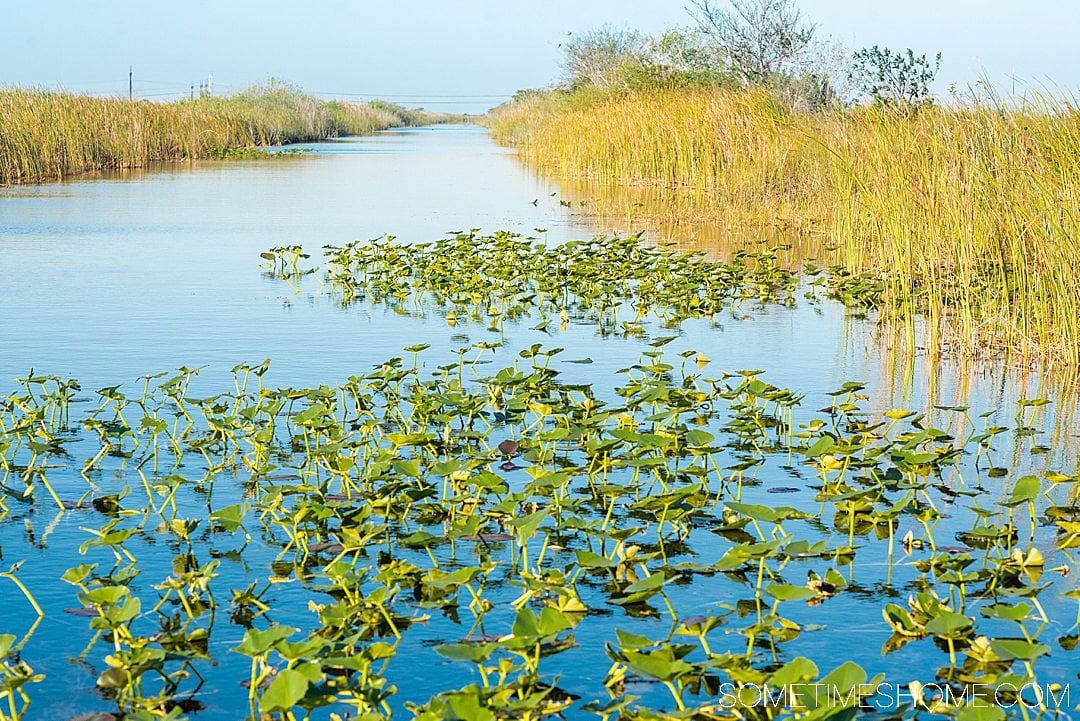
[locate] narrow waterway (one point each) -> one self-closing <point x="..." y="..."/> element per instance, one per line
<point x="109" y="279"/>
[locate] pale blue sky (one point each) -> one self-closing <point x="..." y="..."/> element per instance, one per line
<point x="436" y="53"/>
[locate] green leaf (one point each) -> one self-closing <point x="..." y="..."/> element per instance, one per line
<point x="230" y="517"/>
<point x="1010" y="649"/>
<point x="1026" y="490"/>
<point x="948" y="624"/>
<point x="257" y="642"/>
<point x="833" y="577"/>
<point x="409" y="468"/>
<point x="787" y="592"/>
<point x="288" y="687"/>
<point x="793" y="673"/>
<point x="526" y="624"/>
<point x="840" y="681"/>
<point x="420" y="539"/>
<point x="822" y="446"/>
<point x="659" y="664"/>
<point x="972" y="712"/>
<point x="553" y="621"/>
<point x="465" y="705"/>
<point x="698" y="437"/>
<point x="1005" y="612"/>
<point x="632" y="640"/>
<point x="105" y="596"/>
<point x="588" y="559"/>
<point x="901" y="621"/>
<point x="79" y="573"/>
<point x="527" y="525"/>
<point x="474" y="652"/>
<point x="447" y="467"/>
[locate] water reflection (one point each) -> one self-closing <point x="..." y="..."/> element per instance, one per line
<point x="110" y="278"/>
<point x="901" y="376"/>
<point x="113" y="277"/>
<point x="107" y="279"/>
<point x="689" y="217"/>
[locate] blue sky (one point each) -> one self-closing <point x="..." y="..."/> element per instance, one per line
<point x="466" y="55"/>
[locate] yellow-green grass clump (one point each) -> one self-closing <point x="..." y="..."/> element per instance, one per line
<point x="968" y="215"/>
<point x="49" y="136"/>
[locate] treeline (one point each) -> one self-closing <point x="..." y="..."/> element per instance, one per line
<point x="746" y="43"/>
<point x="49" y="135"/>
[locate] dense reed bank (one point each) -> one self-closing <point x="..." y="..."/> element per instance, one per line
<point x="963" y="217"/>
<point x="49" y="136"/>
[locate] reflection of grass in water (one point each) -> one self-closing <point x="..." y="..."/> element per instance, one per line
<point x="678" y="216"/>
<point x="687" y="217"/>
<point x="969" y="215"/>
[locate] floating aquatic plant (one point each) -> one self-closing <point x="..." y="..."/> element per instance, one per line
<point x="488" y="518"/>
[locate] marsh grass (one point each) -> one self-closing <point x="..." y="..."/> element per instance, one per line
<point x="968" y="215"/>
<point x="50" y="136"/>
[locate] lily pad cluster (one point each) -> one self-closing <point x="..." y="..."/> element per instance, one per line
<point x="612" y="282"/>
<point x="660" y="543"/>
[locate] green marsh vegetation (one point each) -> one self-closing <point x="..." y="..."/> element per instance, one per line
<point x="50" y="136"/>
<point x="655" y="543"/>
<point x="964" y="215"/>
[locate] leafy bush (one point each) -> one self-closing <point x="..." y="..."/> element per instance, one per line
<point x="597" y="57"/>
<point x="894" y="78"/>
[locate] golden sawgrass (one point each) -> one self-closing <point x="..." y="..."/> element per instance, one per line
<point x="49" y="136"/>
<point x="969" y="215"/>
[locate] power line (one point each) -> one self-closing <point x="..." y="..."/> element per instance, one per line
<point x="88" y="82"/>
<point x="159" y="82"/>
<point x="182" y="87"/>
<point x="165" y="88"/>
<point x="447" y="102"/>
<point x="392" y="95"/>
<point x="185" y="92"/>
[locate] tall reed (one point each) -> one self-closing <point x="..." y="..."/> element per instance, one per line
<point x="969" y="214"/>
<point x="49" y="136"/>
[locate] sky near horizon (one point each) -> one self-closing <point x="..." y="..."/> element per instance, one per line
<point x="467" y="56"/>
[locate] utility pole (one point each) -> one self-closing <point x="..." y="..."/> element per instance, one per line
<point x="210" y="85"/>
<point x="193" y="91"/>
<point x="131" y="91"/>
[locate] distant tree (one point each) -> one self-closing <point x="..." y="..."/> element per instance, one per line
<point x="679" y="58"/>
<point x="525" y="93"/>
<point x="759" y="38"/>
<point x="807" y="91"/>
<point x="894" y="78"/>
<point x="597" y="57"/>
<point x="686" y="50"/>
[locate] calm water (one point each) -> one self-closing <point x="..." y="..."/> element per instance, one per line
<point x="105" y="280"/>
